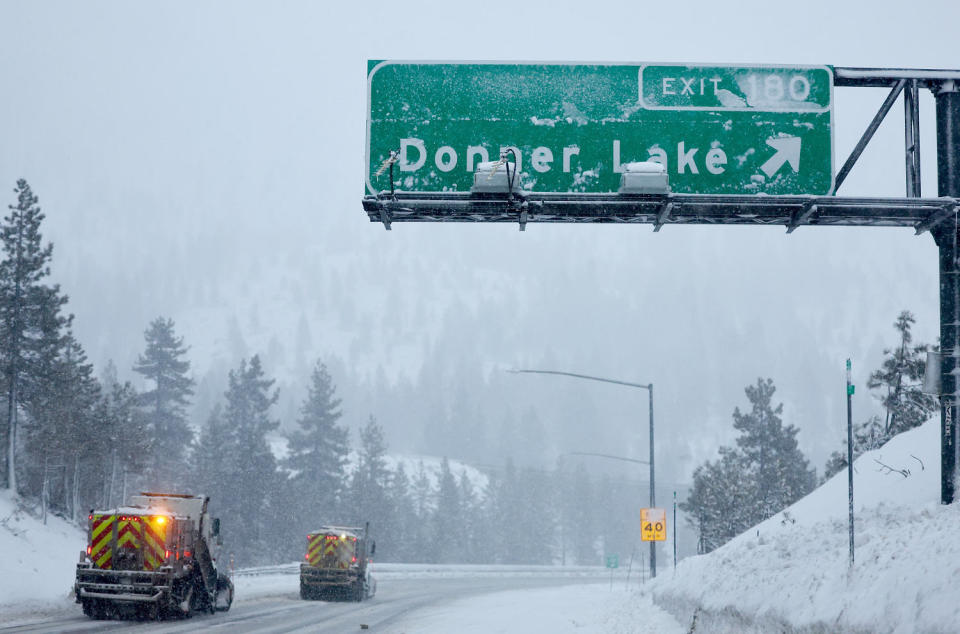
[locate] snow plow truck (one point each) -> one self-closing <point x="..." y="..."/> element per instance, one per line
<point x="336" y="565"/>
<point x="153" y="558"/>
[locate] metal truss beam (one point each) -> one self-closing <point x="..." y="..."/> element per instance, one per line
<point x="871" y="129"/>
<point x="672" y="209"/>
<point x="886" y="77"/>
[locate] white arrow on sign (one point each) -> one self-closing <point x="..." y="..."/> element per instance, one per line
<point x="787" y="151"/>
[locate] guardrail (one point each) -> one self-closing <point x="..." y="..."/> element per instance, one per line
<point x="446" y="570"/>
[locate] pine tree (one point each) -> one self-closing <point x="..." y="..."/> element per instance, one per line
<point x="447" y="521"/>
<point x="474" y="533"/>
<point x="214" y="457"/>
<point x="368" y="485"/>
<point x="902" y="376"/>
<point x="764" y="474"/>
<point x="31" y="324"/>
<point x="718" y="505"/>
<point x="577" y="513"/>
<point x="318" y="451"/>
<point x="252" y="479"/>
<point x="58" y="430"/>
<point x="423" y="505"/>
<point x="780" y="471"/>
<point x="535" y="519"/>
<point x="165" y="405"/>
<point x="403" y="520"/>
<point x="123" y="441"/>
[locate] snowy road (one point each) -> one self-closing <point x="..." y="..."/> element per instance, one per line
<point x="402" y="604"/>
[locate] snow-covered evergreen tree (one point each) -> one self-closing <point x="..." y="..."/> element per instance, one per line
<point x="403" y="520"/>
<point x="31" y="323"/>
<point x="575" y="501"/>
<point x="781" y="474"/>
<point x="535" y="519"/>
<point x="214" y="459"/>
<point x="901" y="377"/>
<point x="165" y="405"/>
<point x="367" y="497"/>
<point x="718" y="505"/>
<point x="252" y="481"/>
<point x="423" y="505"/>
<point x="765" y="473"/>
<point x="318" y="452"/>
<point x="123" y="439"/>
<point x="63" y="428"/>
<point x="473" y="547"/>
<point x="447" y="524"/>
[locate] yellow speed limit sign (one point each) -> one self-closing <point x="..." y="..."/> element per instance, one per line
<point x="653" y="525"/>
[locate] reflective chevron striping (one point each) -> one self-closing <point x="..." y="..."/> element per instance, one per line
<point x="144" y="533"/>
<point x="100" y="537"/>
<point x="315" y="549"/>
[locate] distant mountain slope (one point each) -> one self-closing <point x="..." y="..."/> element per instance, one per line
<point x="411" y="466"/>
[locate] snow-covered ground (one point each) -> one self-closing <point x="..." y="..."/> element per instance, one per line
<point x="792" y="571"/>
<point x="39" y="561"/>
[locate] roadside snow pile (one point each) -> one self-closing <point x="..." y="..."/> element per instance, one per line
<point x="39" y="561"/>
<point x="791" y="572"/>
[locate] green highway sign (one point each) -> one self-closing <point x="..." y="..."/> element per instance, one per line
<point x="573" y="127"/>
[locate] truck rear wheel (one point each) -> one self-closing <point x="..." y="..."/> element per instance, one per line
<point x="223" y="598"/>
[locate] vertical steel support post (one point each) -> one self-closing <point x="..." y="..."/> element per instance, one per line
<point x="948" y="183"/>
<point x="911" y="113"/>
<point x="653" y="499"/>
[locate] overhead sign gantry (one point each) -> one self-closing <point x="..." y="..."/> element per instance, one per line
<point x="739" y="145"/>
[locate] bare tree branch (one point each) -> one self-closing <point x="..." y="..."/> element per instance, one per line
<point x="904" y="472"/>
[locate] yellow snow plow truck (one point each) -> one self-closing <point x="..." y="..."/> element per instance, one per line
<point x="336" y="564"/>
<point x="153" y="558"/>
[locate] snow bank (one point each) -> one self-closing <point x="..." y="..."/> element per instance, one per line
<point x="791" y="572"/>
<point x="39" y="561"/>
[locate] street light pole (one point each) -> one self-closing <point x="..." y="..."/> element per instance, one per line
<point x="649" y="388"/>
